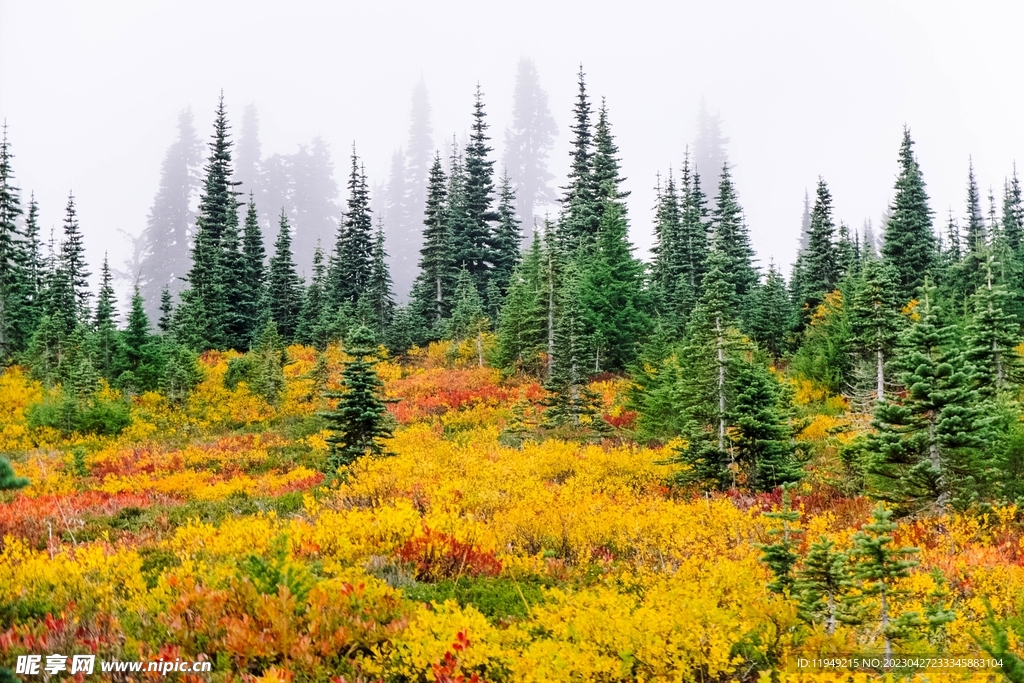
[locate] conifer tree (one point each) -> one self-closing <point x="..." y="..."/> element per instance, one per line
<point x="359" y="422"/>
<point x="875" y="320"/>
<point x="236" y="323"/>
<point x="72" y="255"/>
<point x="9" y="481"/>
<point x="106" y="338"/>
<point x="992" y="335"/>
<point x="819" y="262"/>
<point x="607" y="178"/>
<point x="848" y="254"/>
<point x="612" y="294"/>
<point x="772" y="313"/>
<point x="12" y="277"/>
<point x="761" y="435"/>
<point x="204" y="304"/>
<point x="693" y="242"/>
<point x="506" y="241"/>
<point x="181" y="373"/>
<point x="250" y="280"/>
<point x="284" y="286"/>
<point x="909" y="246"/>
<point x="931" y="445"/>
<point x="1013" y="216"/>
<point x="379" y="291"/>
<point x="34" y="267"/>
<point x="522" y="333"/>
<point x="313" y="304"/>
<point x="433" y="290"/>
<point x="667" y="271"/>
<point x="731" y="237"/>
<point x="879" y="565"/>
<point x="166" y="311"/>
<point x="528" y="142"/>
<point x="141" y="359"/>
<point x="468" y="320"/>
<point x="824" y="584"/>
<point x="781" y="556"/>
<point x="472" y="242"/>
<point x="581" y="211"/>
<point x="352" y="261"/>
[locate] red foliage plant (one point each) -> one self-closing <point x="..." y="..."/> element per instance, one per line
<point x="438" y="556"/>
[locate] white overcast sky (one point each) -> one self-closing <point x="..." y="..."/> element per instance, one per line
<point x="91" y="91"/>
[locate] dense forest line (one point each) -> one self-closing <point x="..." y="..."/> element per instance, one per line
<point x="919" y="331"/>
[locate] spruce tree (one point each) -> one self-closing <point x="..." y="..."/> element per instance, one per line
<point x="506" y="241"/>
<point x="250" y="280"/>
<point x="284" y="286"/>
<point x="166" y="311"/>
<point x="581" y="211"/>
<point x="352" y="262"/>
<point x="522" y="333"/>
<point x="607" y="178"/>
<point x="379" y="291"/>
<point x="72" y="256"/>
<point x="823" y="584"/>
<point x="731" y="238"/>
<point x="472" y="243"/>
<point x="781" y="556"/>
<point x="468" y="319"/>
<point x="666" y="271"/>
<point x="879" y="565"/>
<point x="359" y="422"/>
<point x="313" y="304"/>
<point x="1013" y="216"/>
<point x="34" y="268"/>
<point x="875" y="321"/>
<point x="772" y="314"/>
<point x="820" y="262"/>
<point x="992" y="335"/>
<point x="433" y="289"/>
<point x="761" y="435"/>
<point x="106" y="338"/>
<point x="612" y="294"/>
<point x="9" y="481"/>
<point x="528" y="142"/>
<point x="141" y="357"/>
<point x="931" y="445"/>
<point x="12" y="276"/>
<point x="909" y="246"/>
<point x="181" y="373"/>
<point x="237" y="322"/>
<point x="693" y="243"/>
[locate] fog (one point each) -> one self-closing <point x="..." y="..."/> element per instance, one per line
<point x="91" y="93"/>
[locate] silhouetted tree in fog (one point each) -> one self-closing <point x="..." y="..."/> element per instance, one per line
<point x="314" y="203"/>
<point x="528" y="142"/>
<point x="248" y="153"/>
<point x="709" y="150"/>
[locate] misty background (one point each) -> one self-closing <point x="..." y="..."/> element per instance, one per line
<point x="93" y="95"/>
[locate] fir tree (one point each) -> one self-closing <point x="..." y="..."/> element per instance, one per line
<point x="72" y="256"/>
<point x="468" y="319"/>
<point x="1013" y="216"/>
<point x="166" y="311"/>
<point x="992" y="336"/>
<point x="522" y="333"/>
<point x="472" y="244"/>
<point x="612" y="295"/>
<point x="181" y="373"/>
<point x="12" y="277"/>
<point x="909" y="246"/>
<point x="506" y="241"/>
<point x="666" y="271"/>
<point x="760" y="431"/>
<point x="313" y="305"/>
<point x="352" y="262"/>
<point x="824" y="585"/>
<point x="237" y="322"/>
<point x="378" y="291"/>
<point x="819" y="262"/>
<point x="879" y="565"/>
<point x="359" y="422"/>
<point x="250" y="280"/>
<point x="709" y="148"/>
<point x="930" y="445"/>
<point x="772" y="314"/>
<point x="433" y="289"/>
<point x="607" y="178"/>
<point x="34" y="265"/>
<point x="731" y="238"/>
<point x="875" y="320"/>
<point x="528" y="142"/>
<point x="9" y="481"/>
<point x="581" y="212"/>
<point x="781" y="556"/>
<point x="693" y="243"/>
<point x="284" y="286"/>
<point x="141" y="358"/>
<point x="104" y="325"/>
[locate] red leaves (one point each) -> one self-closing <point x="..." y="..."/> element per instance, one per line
<point x="438" y="556"/>
<point x="447" y="670"/>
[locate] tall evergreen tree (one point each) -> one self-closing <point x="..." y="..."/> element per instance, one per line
<point x="13" y="282"/>
<point x="34" y="266"/>
<point x="709" y="154"/>
<point x="731" y="237"/>
<point x="581" y="212"/>
<point x="284" y="286"/>
<point x="379" y="293"/>
<point x="1013" y="216"/>
<point x="314" y="199"/>
<point x="522" y="333"/>
<point x="506" y="240"/>
<point x="165" y="240"/>
<point x="205" y="302"/>
<point x="250" y="279"/>
<point x="824" y="584"/>
<point x="931" y="444"/>
<point x="166" y="319"/>
<point x="106" y="338"/>
<point x="992" y="335"/>
<point x="607" y="178"/>
<point x="419" y="149"/>
<point x="772" y="314"/>
<point x="248" y="153"/>
<point x="434" y="284"/>
<point x="142" y="359"/>
<point x="875" y="321"/>
<point x="237" y="322"/>
<point x="693" y="242"/>
<point x="352" y="261"/>
<point x="612" y="295"/>
<point x="313" y="304"/>
<point x="472" y="243"/>
<point x="528" y="142"/>
<point x="72" y="256"/>
<point x="359" y="422"/>
<point x="909" y="245"/>
<point x="819" y="262"/>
